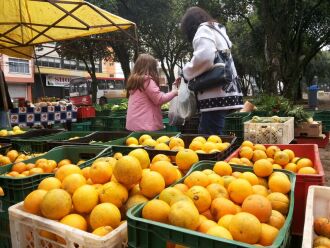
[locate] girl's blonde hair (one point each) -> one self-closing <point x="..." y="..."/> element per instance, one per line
<point x="145" y="65"/>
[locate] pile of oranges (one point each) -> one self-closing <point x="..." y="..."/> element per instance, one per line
<point x="96" y="198"/>
<point x="13" y="156"/>
<point x="42" y="165"/>
<point x="199" y="144"/>
<point x="242" y="206"/>
<point x="259" y="156"/>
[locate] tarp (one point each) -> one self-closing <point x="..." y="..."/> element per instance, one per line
<point x="25" y="23"/>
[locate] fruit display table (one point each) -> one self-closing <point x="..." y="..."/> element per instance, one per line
<point x="24" y="116"/>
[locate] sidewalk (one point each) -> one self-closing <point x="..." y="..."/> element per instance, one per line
<point x="325" y="160"/>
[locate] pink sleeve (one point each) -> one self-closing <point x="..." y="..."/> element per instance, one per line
<point x="155" y="95"/>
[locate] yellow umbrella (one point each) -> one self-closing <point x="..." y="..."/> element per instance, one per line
<point x="25" y="23"/>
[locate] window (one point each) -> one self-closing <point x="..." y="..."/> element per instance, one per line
<point x="19" y="66"/>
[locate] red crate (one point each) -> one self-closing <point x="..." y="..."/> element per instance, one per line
<point x="321" y="142"/>
<point x="310" y="151"/>
<point x="85" y="112"/>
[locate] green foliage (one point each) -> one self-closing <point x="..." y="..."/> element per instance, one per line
<point x="272" y="105"/>
<point x="299" y="114"/>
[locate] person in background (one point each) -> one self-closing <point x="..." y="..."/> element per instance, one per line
<point x="144" y="96"/>
<point x="103" y="100"/>
<point x="202" y="31"/>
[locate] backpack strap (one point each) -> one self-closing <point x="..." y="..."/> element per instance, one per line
<point x="211" y="26"/>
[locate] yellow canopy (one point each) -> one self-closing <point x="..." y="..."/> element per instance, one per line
<point x="25" y="23"/>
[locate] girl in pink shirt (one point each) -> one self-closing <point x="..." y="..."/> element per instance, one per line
<point x="145" y="98"/>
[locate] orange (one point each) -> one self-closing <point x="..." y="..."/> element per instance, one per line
<point x="215" y="178"/>
<point x="225" y="220"/>
<point x="177" y="148"/>
<point x="208" y="172"/>
<point x="66" y="170"/>
<point x="258" y="154"/>
<point x="33" y="201"/>
<point x="246" y="161"/>
<point x="222" y="146"/>
<point x="102" y="230"/>
<point x="47" y="167"/>
<point x="250" y="177"/>
<point x="217" y="190"/>
<point x="142" y="156"/>
<point x="268" y="234"/>
<point x="201" y="197"/>
<point x="279" y="201"/>
<point x="222" y="206"/>
<point x="271" y="150"/>
<point x="304" y="162"/>
<point x="143" y="138"/>
<point x="196" y="145"/>
<point x="134" y="200"/>
<point x="185" y="159"/>
<point x="291" y="167"/>
<point x="207" y="214"/>
<point x="85" y="198"/>
<point x="220" y="232"/>
<point x="236" y="174"/>
<point x="182" y="187"/>
<point x="73" y="182"/>
<point x="214" y="139"/>
<point x="85" y="171"/>
<point x="160" y="157"/>
<point x="206" y="225"/>
<point x="50" y="183"/>
<point x="131" y="140"/>
<point x="281" y="158"/>
<point x="290" y="153"/>
<point x="151" y="184"/>
<point x="246" y="152"/>
<point x="208" y="146"/>
<point x="239" y="189"/>
<point x="13" y="174"/>
<point x="19" y="167"/>
<point x="80" y="162"/>
<point x="235" y="161"/>
<point x="228" y="180"/>
<point x="259" y="206"/>
<point x="294" y="160"/>
<point x="12" y="155"/>
<point x="245" y="227"/>
<point x="56" y="204"/>
<point x="184" y="214"/>
<point x="168" y="194"/>
<point x="259" y="147"/>
<point x="128" y="170"/>
<point x="35" y="171"/>
<point x="163" y="139"/>
<point x="222" y="168"/>
<point x="29" y="166"/>
<point x="197" y="178"/>
<point x="307" y="170"/>
<point x="156" y="210"/>
<point x="114" y="193"/>
<point x="166" y="169"/>
<point x="64" y="162"/>
<point x="279" y="184"/>
<point x="263" y="168"/>
<point x="4" y="160"/>
<point x="105" y="214"/>
<point x="277" y="166"/>
<point x="76" y="221"/>
<point x="200" y="138"/>
<point x="276" y="219"/>
<point x="175" y="141"/>
<point x="260" y="190"/>
<point x="117" y="155"/>
<point x="270" y="160"/>
<point x="178" y="198"/>
<point x="101" y="171"/>
<point x="247" y="143"/>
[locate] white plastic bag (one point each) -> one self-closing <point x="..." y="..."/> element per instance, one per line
<point x="182" y="107"/>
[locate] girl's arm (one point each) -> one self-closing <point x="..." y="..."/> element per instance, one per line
<point x="156" y="96"/>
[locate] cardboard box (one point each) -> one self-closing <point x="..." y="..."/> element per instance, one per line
<point x="306" y="129"/>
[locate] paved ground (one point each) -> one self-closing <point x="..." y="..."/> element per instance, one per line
<point x="325" y="159"/>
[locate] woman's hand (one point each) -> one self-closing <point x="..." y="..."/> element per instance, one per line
<point x="175" y="90"/>
<point x="177" y="82"/>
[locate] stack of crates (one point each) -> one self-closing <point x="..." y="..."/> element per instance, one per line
<point x="234" y="125"/>
<point x="323" y="116"/>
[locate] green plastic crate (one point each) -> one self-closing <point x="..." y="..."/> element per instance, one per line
<point x="30" y="133"/>
<point x="146" y="233"/>
<point x="81" y="126"/>
<point x="109" y="123"/>
<point x="234" y="125"/>
<point x="16" y="189"/>
<point x="4" y="147"/>
<point x="118" y="113"/>
<point x="323" y="116"/>
<point x="5" y="241"/>
<point x="169" y="128"/>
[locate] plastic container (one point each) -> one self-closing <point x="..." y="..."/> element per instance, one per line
<point x="84" y="112"/>
<point x="4" y="147"/>
<point x="81" y="126"/>
<point x="16" y="189"/>
<point x="146" y="233"/>
<point x="187" y="138"/>
<point x="318" y="202"/>
<point x="106" y="123"/>
<point x="25" y="233"/>
<point x="310" y="151"/>
<point x="30" y="133"/>
<point x="65" y="138"/>
<point x="5" y="241"/>
<point x="234" y="125"/>
<point x="190" y="126"/>
<point x="270" y="133"/>
<point x="323" y="116"/>
<point x="321" y="142"/>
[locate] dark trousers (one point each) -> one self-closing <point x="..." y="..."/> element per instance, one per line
<point x="213" y="122"/>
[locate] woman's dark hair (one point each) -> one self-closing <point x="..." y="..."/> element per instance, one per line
<point x="191" y="20"/>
